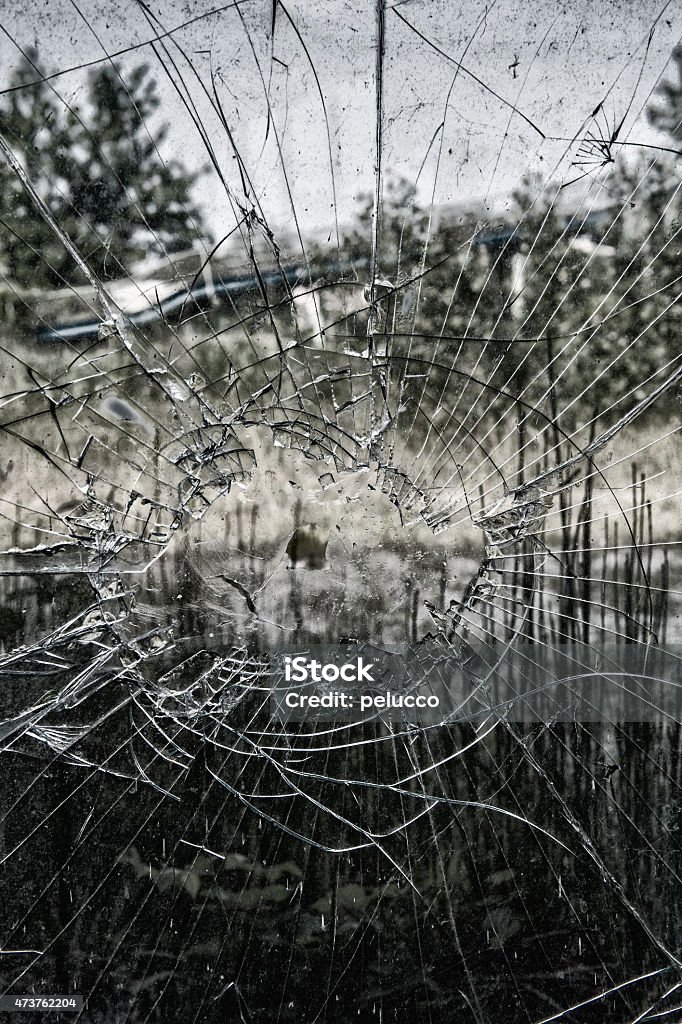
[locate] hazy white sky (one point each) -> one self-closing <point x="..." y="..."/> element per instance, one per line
<point x="514" y="82"/>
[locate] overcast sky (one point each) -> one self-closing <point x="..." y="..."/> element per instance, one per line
<point x="513" y="84"/>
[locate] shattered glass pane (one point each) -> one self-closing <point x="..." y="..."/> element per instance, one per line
<point x="341" y="327"/>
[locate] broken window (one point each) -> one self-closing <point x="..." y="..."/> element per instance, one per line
<point x="341" y="327"/>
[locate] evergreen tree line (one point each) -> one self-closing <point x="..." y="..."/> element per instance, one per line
<point x="572" y="293"/>
<point x="594" y="301"/>
<point x="98" y="164"/>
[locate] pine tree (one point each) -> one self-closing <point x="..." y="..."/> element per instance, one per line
<point x="98" y="168"/>
<point x="667" y="115"/>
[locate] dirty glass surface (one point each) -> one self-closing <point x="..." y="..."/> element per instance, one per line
<point x="355" y="326"/>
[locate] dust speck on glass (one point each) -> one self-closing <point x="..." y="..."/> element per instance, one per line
<point x="340" y="370"/>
